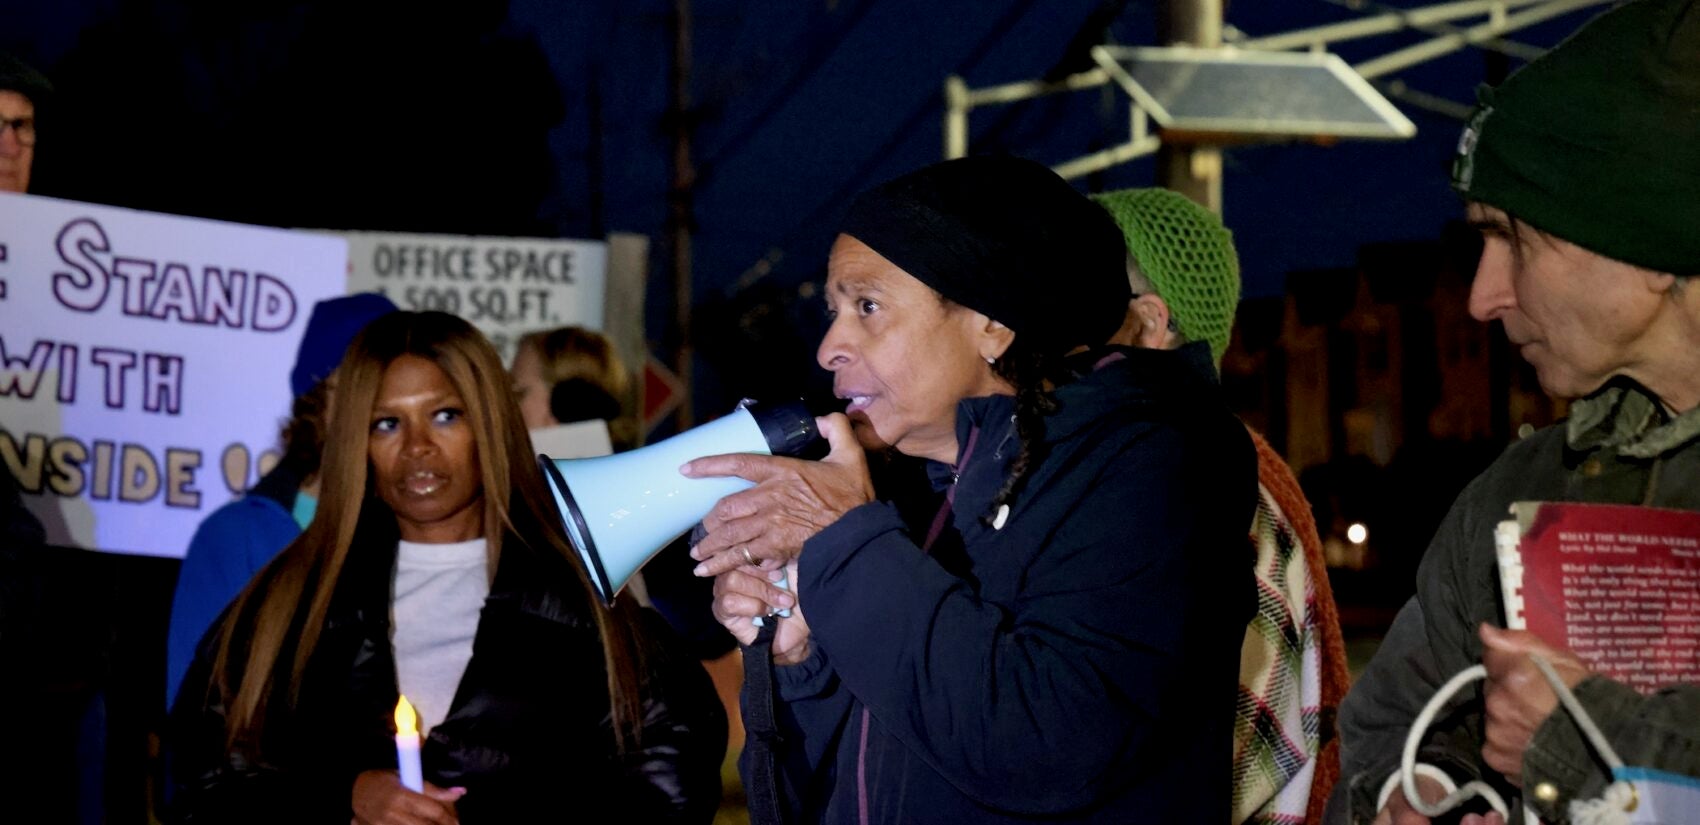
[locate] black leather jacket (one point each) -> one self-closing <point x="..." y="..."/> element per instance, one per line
<point x="528" y="734"/>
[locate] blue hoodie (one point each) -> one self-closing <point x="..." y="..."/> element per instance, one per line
<point x="228" y="548"/>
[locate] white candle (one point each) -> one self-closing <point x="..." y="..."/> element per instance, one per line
<point x="407" y="746"/>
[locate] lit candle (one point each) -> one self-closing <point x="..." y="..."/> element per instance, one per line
<point x="407" y="746"/>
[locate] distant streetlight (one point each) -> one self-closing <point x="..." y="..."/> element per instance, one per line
<point x="1357" y="533"/>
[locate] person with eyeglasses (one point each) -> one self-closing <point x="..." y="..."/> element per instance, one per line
<point x="22" y="91"/>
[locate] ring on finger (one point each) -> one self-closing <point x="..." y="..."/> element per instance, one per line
<point x="747" y="557"/>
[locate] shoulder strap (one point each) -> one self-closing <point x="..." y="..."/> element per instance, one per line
<point x="762" y="738"/>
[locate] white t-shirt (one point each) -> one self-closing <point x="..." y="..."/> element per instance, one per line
<point x="439" y="593"/>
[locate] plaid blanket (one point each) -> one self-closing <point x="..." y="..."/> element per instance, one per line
<point x="1292" y="663"/>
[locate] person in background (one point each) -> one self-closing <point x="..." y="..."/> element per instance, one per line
<point x="1185" y="278"/>
<point x="24" y="92"/>
<point x="238" y="539"/>
<point x="1582" y="171"/>
<point x="1061" y="643"/>
<point x="438" y="568"/>
<point x="573" y="374"/>
<point x="56" y="651"/>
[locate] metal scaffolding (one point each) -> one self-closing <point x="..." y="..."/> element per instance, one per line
<point x="1452" y="26"/>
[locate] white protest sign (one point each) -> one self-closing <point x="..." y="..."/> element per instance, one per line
<point x="504" y="286"/>
<point x="144" y="363"/>
<point x="577" y="439"/>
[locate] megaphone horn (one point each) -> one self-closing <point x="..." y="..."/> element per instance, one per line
<point x="620" y="510"/>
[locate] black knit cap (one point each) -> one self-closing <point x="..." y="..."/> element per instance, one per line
<point x="18" y="76"/>
<point x="1005" y="237"/>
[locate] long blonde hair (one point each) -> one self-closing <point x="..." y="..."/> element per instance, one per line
<point x="565" y="353"/>
<point x="284" y="608"/>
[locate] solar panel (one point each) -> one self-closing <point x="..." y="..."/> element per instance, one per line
<point x="1225" y="93"/>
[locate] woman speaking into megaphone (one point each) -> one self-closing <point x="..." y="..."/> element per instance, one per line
<point x="1059" y="639"/>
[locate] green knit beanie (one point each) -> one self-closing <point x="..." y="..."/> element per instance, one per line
<point x="1188" y="256"/>
<point x="1598" y="141"/>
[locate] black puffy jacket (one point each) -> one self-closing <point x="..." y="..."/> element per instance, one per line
<point x="528" y="734"/>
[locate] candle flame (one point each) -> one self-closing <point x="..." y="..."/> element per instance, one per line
<point x="406" y="719"/>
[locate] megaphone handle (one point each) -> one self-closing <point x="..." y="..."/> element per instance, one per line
<point x="782" y="584"/>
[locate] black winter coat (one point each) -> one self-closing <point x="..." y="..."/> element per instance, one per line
<point x="1080" y="664"/>
<point x="528" y="733"/>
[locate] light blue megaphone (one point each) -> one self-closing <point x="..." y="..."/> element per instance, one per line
<point x="621" y="510"/>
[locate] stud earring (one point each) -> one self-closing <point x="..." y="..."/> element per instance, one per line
<point x="991" y="360"/>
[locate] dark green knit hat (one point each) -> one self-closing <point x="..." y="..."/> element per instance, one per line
<point x="1598" y="141"/>
<point x="1188" y="256"/>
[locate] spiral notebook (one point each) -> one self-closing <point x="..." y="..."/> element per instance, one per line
<point x="1617" y="585"/>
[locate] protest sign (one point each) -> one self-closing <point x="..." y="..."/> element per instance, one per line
<point x="505" y="286"/>
<point x="144" y="363"/>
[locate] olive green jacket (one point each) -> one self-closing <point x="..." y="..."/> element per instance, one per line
<point x="1618" y="447"/>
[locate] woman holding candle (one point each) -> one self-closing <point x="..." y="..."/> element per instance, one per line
<point x="435" y="565"/>
<point x="1058" y="640"/>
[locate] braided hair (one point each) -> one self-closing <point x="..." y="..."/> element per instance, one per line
<point x="1034" y="375"/>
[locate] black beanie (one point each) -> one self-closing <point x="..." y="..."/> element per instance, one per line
<point x="1005" y="237"/>
<point x="18" y="76"/>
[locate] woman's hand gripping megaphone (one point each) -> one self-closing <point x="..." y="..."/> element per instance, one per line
<point x="746" y="594"/>
<point x="753" y="538"/>
<point x="766" y="525"/>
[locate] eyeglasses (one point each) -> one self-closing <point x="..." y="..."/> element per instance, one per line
<point x="22" y="127"/>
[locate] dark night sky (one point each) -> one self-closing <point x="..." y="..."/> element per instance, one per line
<point x="548" y="118"/>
